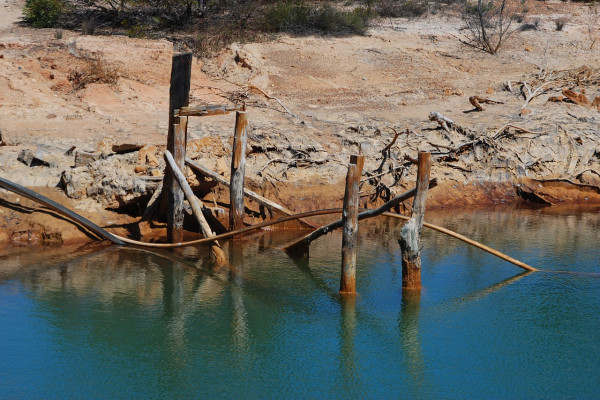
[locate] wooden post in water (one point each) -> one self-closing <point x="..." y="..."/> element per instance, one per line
<point x="410" y="238"/>
<point x="179" y="93"/>
<point x="350" y="225"/>
<point x="238" y="170"/>
<point x="175" y="195"/>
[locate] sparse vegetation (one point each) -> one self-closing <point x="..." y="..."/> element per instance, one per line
<point x="560" y="23"/>
<point x="43" y="13"/>
<point x="489" y="23"/>
<point x="95" y="71"/>
<point x="401" y="8"/>
<point x="530" y="26"/>
<point x="298" y="17"/>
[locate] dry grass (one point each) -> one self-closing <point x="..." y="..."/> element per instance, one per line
<point x="95" y="71"/>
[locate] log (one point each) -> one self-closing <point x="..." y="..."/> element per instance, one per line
<point x="30" y="194"/>
<point x="197" y="207"/>
<point x="350" y="225"/>
<point x="300" y="247"/>
<point x="254" y="196"/>
<point x="238" y="171"/>
<point x="179" y="93"/>
<point x="203" y="111"/>
<point x="410" y="237"/>
<point x="175" y="211"/>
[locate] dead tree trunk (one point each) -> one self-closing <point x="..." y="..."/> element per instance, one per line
<point x="238" y="170"/>
<point x="410" y="238"/>
<point x="350" y="225"/>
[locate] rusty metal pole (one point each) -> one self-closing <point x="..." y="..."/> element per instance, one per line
<point x="410" y="237"/>
<point x="238" y="170"/>
<point x="172" y="196"/>
<point x="350" y="225"/>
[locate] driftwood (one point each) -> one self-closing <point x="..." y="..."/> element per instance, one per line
<point x="30" y="194"/>
<point x="476" y="100"/>
<point x="197" y="207"/>
<point x="317" y="213"/>
<point x="300" y="247"/>
<point x="202" y="111"/>
<point x="247" y="192"/>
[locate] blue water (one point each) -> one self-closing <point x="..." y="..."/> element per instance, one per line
<point x="116" y="323"/>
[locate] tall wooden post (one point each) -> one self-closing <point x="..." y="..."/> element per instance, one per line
<point x="179" y="94"/>
<point x="238" y="171"/>
<point x="350" y="225"/>
<point x="410" y="237"/>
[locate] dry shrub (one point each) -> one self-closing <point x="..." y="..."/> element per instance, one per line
<point x="95" y="71"/>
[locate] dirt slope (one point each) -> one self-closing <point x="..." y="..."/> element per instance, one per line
<point x="345" y="93"/>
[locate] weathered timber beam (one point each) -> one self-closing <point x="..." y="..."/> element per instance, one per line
<point x="410" y="237"/>
<point x="203" y="111"/>
<point x="253" y="195"/>
<point x="30" y="194"/>
<point x="300" y="247"/>
<point x="350" y="225"/>
<point x="197" y="207"/>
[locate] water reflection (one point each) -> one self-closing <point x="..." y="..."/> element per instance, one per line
<point x="266" y="326"/>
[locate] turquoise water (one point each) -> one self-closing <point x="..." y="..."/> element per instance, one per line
<point x="110" y="323"/>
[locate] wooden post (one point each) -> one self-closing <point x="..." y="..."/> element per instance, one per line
<point x="350" y="225"/>
<point x="172" y="195"/>
<point x="410" y="237"/>
<point x="238" y="170"/>
<point x="175" y="212"/>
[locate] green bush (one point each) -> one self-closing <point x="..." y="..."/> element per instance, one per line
<point x="43" y="13"/>
<point x="401" y="8"/>
<point x="297" y="17"/>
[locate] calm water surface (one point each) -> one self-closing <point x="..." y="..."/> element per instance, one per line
<point x="110" y="323"/>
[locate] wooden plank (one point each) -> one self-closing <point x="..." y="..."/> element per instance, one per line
<point x="125" y="148"/>
<point x="175" y="211"/>
<point x="350" y="225"/>
<point x="410" y="237"/>
<point x="300" y="246"/>
<point x="197" y="207"/>
<point x="203" y="111"/>
<point x="238" y="171"/>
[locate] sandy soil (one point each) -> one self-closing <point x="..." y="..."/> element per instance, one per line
<point x="345" y="93"/>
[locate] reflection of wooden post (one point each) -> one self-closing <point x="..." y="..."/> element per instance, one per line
<point x="410" y="238"/>
<point x="350" y="225"/>
<point x="238" y="170"/>
<point x="179" y="93"/>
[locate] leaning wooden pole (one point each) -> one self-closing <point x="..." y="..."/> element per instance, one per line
<point x="179" y="94"/>
<point x="31" y="195"/>
<point x="410" y="237"/>
<point x="238" y="170"/>
<point x="350" y="225"/>
<point x="197" y="207"/>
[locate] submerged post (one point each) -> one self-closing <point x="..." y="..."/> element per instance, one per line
<point x="410" y="238"/>
<point x="238" y="170"/>
<point x="179" y="93"/>
<point x="350" y="225"/>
